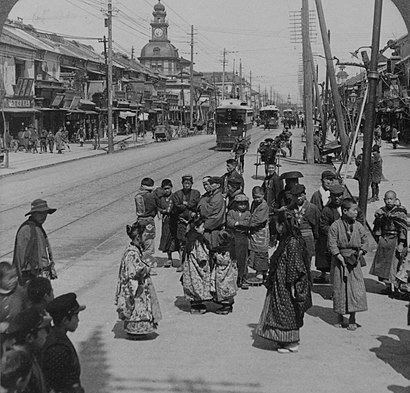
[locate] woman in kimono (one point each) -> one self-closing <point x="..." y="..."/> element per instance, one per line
<point x="196" y="276"/>
<point x="136" y="299"/>
<point x="347" y="243"/>
<point x="169" y="241"/>
<point x="224" y="275"/>
<point x="289" y="287"/>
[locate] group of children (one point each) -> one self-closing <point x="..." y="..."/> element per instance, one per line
<point x="36" y="354"/>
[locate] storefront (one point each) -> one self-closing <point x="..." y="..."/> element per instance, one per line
<point x="19" y="113"/>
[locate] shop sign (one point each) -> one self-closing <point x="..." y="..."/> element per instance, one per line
<point x="18" y="103"/>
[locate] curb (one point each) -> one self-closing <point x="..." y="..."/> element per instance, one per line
<point x="102" y="152"/>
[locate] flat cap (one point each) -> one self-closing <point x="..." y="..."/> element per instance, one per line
<point x="337" y="189"/>
<point x="187" y="178"/>
<point x="298" y="189"/>
<point x="64" y="305"/>
<point x="328" y="175"/>
<point x="290" y="175"/>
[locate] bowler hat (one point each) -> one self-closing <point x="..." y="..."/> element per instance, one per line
<point x="298" y="189"/>
<point x="290" y="175"/>
<point x="328" y="175"/>
<point x="64" y="305"/>
<point x="337" y="189"/>
<point x="27" y="321"/>
<point x="40" y="206"/>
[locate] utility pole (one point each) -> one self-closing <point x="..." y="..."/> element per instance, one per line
<point x="240" y="80"/>
<point x="326" y="101"/>
<point x="109" y="82"/>
<point x="223" y="74"/>
<point x="250" y="89"/>
<point x="344" y="140"/>
<point x="191" y="90"/>
<point x="373" y="78"/>
<point x="132" y="52"/>
<point x="308" y="82"/>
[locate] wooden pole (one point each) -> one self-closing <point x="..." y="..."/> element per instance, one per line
<point x="370" y="114"/>
<point x="191" y="93"/>
<point x="109" y="87"/>
<point x="308" y="81"/>
<point x="344" y="140"/>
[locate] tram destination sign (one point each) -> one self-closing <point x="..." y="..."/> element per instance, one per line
<point x="18" y="103"/>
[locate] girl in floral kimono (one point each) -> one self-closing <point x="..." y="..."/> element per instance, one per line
<point x="224" y="275"/>
<point x="136" y="299"/>
<point x="347" y="243"/>
<point x="196" y="277"/>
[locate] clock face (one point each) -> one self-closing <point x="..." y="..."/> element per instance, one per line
<point x="158" y="32"/>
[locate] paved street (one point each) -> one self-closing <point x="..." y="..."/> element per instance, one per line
<point x="197" y="353"/>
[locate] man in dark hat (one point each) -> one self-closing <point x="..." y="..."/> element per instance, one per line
<point x="308" y="216"/>
<point x="61" y="365"/>
<point x="146" y="206"/>
<point x="212" y="209"/>
<point x="376" y="173"/>
<point x="321" y="197"/>
<point x="234" y="189"/>
<point x="330" y="213"/>
<point x="185" y="204"/>
<point x="284" y="196"/>
<point x="29" y="330"/>
<point x="231" y="173"/>
<point x="32" y="252"/>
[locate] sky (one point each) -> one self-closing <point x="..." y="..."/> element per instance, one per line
<point x="254" y="32"/>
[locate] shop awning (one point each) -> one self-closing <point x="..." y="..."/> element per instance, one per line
<point x="90" y="112"/>
<point x="126" y="114"/>
<point x="143" y="116"/>
<point x="20" y="110"/>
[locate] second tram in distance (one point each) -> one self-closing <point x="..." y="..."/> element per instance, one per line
<point x="233" y="119"/>
<point x="269" y="116"/>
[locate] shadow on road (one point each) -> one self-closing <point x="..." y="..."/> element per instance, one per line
<point x="93" y="357"/>
<point x="326" y="314"/>
<point x="399" y="389"/>
<point x="323" y="290"/>
<point x="395" y="352"/>
<point x="182" y="304"/>
<point x="373" y="286"/>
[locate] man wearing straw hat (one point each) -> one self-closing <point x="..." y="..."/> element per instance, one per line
<point x="32" y="252"/>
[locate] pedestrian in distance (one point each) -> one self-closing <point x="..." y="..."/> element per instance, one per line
<point x="50" y="141"/>
<point x="196" y="276"/>
<point x="32" y="255"/>
<point x="239" y="149"/>
<point x="330" y="213"/>
<point x="96" y="136"/>
<point x="43" y="141"/>
<point x="347" y="243"/>
<point x="146" y="207"/>
<point x="390" y="232"/>
<point x="81" y="136"/>
<point x="184" y="207"/>
<point x="59" y="140"/>
<point x="238" y="221"/>
<point x="15" y="373"/>
<point x="224" y="275"/>
<point x="60" y="362"/>
<point x="169" y="241"/>
<point x="259" y="237"/>
<point x="376" y="173"/>
<point x="288" y="286"/>
<point x="29" y="330"/>
<point x="136" y="300"/>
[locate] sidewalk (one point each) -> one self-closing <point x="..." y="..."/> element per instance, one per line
<point x="23" y="162"/>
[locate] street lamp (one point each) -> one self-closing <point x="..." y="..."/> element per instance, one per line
<point x="356" y="52"/>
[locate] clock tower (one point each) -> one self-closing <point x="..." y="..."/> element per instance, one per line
<point x="159" y="25"/>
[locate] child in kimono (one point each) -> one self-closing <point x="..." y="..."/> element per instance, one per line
<point x="238" y="221"/>
<point x="347" y="242"/>
<point x="224" y="275"/>
<point x="259" y="236"/>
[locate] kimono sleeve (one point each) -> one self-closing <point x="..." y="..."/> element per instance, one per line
<point x="332" y="239"/>
<point x="260" y="215"/>
<point x="194" y="200"/>
<point x="295" y="267"/>
<point x="364" y="241"/>
<point x="230" y="219"/>
<point x="325" y="221"/>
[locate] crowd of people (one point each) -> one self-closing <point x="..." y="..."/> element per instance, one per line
<point x="225" y="242"/>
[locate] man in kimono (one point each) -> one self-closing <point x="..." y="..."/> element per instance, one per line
<point x="212" y="209"/>
<point x="185" y="203"/>
<point x="231" y="173"/>
<point x="321" y="197"/>
<point x="390" y="232"/>
<point x="330" y="213"/>
<point x="308" y="216"/>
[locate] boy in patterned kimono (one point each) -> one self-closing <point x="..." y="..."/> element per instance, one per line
<point x="390" y="232"/>
<point x="259" y="236"/>
<point x="347" y="243"/>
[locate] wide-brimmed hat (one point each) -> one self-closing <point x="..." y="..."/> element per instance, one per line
<point x="40" y="206"/>
<point x="64" y="305"/>
<point x="290" y="175"/>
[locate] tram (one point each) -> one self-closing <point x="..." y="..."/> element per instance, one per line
<point x="269" y="116"/>
<point x="288" y="117"/>
<point x="233" y="118"/>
